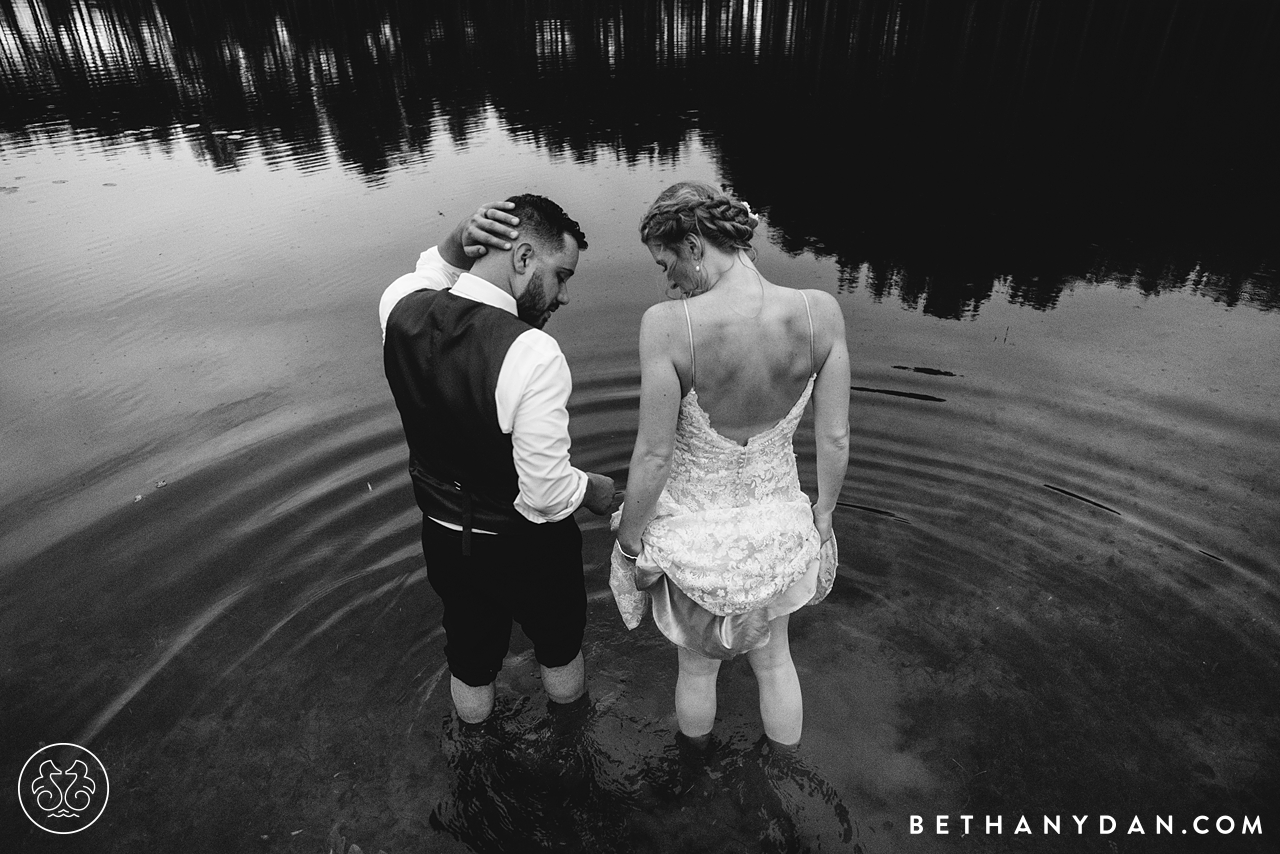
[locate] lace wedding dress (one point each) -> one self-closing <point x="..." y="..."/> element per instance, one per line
<point x="732" y="543"/>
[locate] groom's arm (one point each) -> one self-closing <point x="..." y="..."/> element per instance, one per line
<point x="532" y="397"/>
<point x="441" y="265"/>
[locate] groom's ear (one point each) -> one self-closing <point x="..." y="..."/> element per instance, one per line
<point x="522" y="257"/>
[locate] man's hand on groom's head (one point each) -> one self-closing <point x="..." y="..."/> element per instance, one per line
<point x="489" y="226"/>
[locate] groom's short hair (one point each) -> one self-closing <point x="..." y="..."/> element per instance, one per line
<point x="545" y="221"/>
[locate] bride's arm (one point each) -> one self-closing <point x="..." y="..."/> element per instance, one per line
<point x="830" y="410"/>
<point x="655" y="440"/>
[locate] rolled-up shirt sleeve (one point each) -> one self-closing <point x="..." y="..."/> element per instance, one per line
<point x="432" y="272"/>
<point x="532" y="396"/>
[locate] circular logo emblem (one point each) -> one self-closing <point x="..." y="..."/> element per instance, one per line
<point x="63" y="788"/>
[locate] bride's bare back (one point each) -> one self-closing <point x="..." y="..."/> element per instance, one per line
<point x="752" y="353"/>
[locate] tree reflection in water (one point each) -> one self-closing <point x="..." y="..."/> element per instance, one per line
<point x="935" y="149"/>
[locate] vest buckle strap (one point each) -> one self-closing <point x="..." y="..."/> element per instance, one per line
<point x="467" y="517"/>
<point x="447" y="500"/>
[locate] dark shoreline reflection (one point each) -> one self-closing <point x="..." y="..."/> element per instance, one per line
<point x="939" y="151"/>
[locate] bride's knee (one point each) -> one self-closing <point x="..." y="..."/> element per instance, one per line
<point x="770" y="659"/>
<point x="776" y="653"/>
<point x="693" y="664"/>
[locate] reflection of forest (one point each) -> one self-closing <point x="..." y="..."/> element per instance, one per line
<point x="936" y="149"/>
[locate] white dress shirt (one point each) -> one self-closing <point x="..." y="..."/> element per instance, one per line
<point x="532" y="395"/>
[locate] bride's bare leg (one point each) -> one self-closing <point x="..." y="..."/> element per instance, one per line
<point x="696" y="693"/>
<point x="781" y="706"/>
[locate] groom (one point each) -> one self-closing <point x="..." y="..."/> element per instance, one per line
<point x="482" y="394"/>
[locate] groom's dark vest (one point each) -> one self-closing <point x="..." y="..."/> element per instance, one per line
<point x="442" y="357"/>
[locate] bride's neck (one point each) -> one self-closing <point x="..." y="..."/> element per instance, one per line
<point x="722" y="269"/>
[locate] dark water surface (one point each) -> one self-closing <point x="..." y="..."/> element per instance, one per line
<point x="1051" y="228"/>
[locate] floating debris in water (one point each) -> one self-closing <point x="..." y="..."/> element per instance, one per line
<point x="875" y="510"/>
<point x="933" y="372"/>
<point x="137" y="498"/>
<point x="160" y="484"/>
<point x="911" y="394"/>
<point x="1071" y="494"/>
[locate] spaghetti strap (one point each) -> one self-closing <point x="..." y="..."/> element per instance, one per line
<point x="693" y="359"/>
<point x="806" y="311"/>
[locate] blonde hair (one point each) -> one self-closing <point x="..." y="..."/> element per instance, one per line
<point x="696" y="207"/>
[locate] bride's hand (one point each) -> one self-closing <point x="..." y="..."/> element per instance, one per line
<point x="822" y="521"/>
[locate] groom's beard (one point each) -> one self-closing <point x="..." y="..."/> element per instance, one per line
<point x="532" y="306"/>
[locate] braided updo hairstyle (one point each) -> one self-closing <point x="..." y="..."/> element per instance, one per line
<point x="696" y="207"/>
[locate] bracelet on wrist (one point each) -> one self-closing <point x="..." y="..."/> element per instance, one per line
<point x="631" y="557"/>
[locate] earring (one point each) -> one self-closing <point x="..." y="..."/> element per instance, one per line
<point x="698" y="268"/>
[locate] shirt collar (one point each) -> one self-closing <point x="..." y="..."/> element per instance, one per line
<point x="473" y="287"/>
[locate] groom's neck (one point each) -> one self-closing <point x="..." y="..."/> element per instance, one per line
<point x="494" y="268"/>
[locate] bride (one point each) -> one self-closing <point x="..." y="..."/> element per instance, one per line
<point x="715" y="528"/>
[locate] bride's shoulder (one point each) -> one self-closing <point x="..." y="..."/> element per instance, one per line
<point x="662" y="320"/>
<point x="663" y="313"/>
<point x="823" y="307"/>
<point x="828" y="319"/>
<point x="819" y="298"/>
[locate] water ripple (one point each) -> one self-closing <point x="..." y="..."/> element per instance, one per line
<point x="292" y="562"/>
